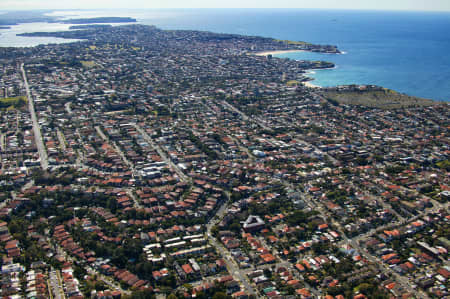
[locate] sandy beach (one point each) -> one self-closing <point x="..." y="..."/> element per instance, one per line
<point x="277" y="52"/>
<point x="309" y="84"/>
<point x="306" y="83"/>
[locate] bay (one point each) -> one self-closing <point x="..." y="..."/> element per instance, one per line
<point x="9" y="38"/>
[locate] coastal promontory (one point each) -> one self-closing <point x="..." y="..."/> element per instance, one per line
<point x="98" y="20"/>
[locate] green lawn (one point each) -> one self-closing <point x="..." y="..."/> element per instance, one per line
<point x="14" y="102"/>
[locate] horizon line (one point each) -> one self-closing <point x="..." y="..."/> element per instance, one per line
<point x="225" y="8"/>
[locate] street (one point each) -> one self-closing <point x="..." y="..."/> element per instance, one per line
<point x="163" y="155"/>
<point x="36" y="129"/>
<point x="232" y="267"/>
<point x="115" y="146"/>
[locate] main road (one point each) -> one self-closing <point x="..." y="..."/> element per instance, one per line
<point x="232" y="267"/>
<point x="115" y="146"/>
<point x="36" y="129"/>
<point x="162" y="154"/>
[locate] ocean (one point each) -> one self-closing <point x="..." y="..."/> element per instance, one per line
<point x="404" y="51"/>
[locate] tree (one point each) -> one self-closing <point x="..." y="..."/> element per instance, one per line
<point x="215" y="231"/>
<point x="366" y="288"/>
<point x="235" y="227"/>
<point x="145" y="294"/>
<point x="220" y="295"/>
<point x="267" y="273"/>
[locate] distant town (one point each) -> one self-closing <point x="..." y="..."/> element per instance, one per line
<point x="149" y="163"/>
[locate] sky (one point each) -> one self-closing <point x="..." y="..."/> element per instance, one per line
<point x="428" y="5"/>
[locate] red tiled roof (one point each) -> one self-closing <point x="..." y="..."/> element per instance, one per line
<point x="187" y="268"/>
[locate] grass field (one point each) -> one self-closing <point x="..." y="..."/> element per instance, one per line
<point x="87" y="64"/>
<point x="290" y="42"/>
<point x="292" y="83"/>
<point x="385" y="98"/>
<point x="14" y="102"/>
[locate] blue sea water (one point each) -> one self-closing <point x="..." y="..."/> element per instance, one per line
<point x="405" y="51"/>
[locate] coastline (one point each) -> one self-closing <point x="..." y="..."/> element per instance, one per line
<point x="310" y="85"/>
<point x="276" y="52"/>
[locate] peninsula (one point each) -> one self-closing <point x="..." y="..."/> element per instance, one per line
<point x="20" y="17"/>
<point x="98" y="20"/>
<point x="92" y="26"/>
<point x="251" y="44"/>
